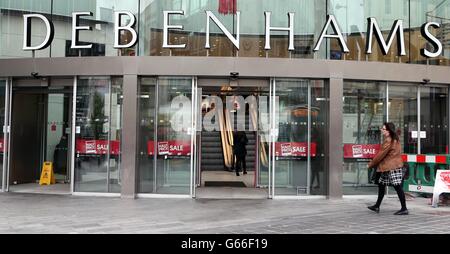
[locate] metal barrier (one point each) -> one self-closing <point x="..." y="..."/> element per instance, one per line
<point x="421" y="172"/>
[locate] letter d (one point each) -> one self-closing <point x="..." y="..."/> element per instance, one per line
<point x="50" y="32"/>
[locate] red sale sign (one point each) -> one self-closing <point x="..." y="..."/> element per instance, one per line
<point x="294" y="149"/>
<point x="163" y="148"/>
<point x="360" y="151"/>
<point x="150" y="147"/>
<point x="97" y="147"/>
<point x="171" y="148"/>
<point x="179" y="147"/>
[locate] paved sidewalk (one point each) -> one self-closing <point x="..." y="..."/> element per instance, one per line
<point x="31" y="213"/>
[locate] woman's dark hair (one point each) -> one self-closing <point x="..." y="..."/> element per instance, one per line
<point x="390" y="127"/>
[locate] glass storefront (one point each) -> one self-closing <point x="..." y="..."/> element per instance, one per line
<point x="319" y="115"/>
<point x="98" y="134"/>
<point x="291" y="169"/>
<point x="264" y="137"/>
<point x="300" y="147"/>
<point x="402" y="111"/>
<point x="309" y="19"/>
<point x="292" y="140"/>
<point x="293" y="114"/>
<point x="367" y="105"/>
<point x="146" y="141"/>
<point x="363" y="114"/>
<point x="165" y="105"/>
<point x="434" y="120"/>
<point x="173" y="160"/>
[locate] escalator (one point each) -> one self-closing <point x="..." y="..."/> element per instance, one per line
<point x="216" y="147"/>
<point x="212" y="152"/>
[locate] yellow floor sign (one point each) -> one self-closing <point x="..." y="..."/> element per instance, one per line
<point x="47" y="175"/>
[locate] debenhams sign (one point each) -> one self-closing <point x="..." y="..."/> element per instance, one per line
<point x="372" y="29"/>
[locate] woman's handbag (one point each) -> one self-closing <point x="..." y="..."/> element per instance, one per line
<point x="375" y="176"/>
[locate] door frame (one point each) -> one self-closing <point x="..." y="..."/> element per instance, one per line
<point x="193" y="130"/>
<point x="30" y="83"/>
<point x="6" y="131"/>
<point x="197" y="126"/>
<point x="274" y="133"/>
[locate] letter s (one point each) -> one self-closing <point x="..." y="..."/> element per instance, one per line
<point x="431" y="39"/>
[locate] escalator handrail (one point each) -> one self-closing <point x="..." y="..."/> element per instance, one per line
<point x="263" y="153"/>
<point x="225" y="142"/>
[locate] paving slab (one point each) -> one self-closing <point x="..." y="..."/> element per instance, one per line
<point x="36" y="213"/>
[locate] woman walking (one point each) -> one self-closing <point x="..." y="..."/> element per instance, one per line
<point x="389" y="164"/>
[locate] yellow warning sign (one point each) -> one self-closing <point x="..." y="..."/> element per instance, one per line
<point x="47" y="175"/>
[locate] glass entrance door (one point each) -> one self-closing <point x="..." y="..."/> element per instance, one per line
<point x="232" y="141"/>
<point x="98" y="134"/>
<point x="299" y="137"/>
<point x="40" y="132"/>
<point x="291" y="143"/>
<point x="174" y="136"/>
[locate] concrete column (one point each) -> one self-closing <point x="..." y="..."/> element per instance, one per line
<point x="129" y="135"/>
<point x="335" y="145"/>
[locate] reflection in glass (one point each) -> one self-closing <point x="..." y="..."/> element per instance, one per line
<point x="291" y="143"/>
<point x="309" y="20"/>
<point x="264" y="145"/>
<point x="307" y="26"/>
<point x="434" y="120"/>
<point x="363" y="115"/>
<point x="98" y="134"/>
<point x="11" y="27"/>
<point x="402" y="108"/>
<point x="146" y="143"/>
<point x="102" y="21"/>
<point x="319" y="136"/>
<point x="174" y="136"/>
<point x="424" y="11"/>
<point x="57" y="135"/>
<point x="352" y="17"/>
